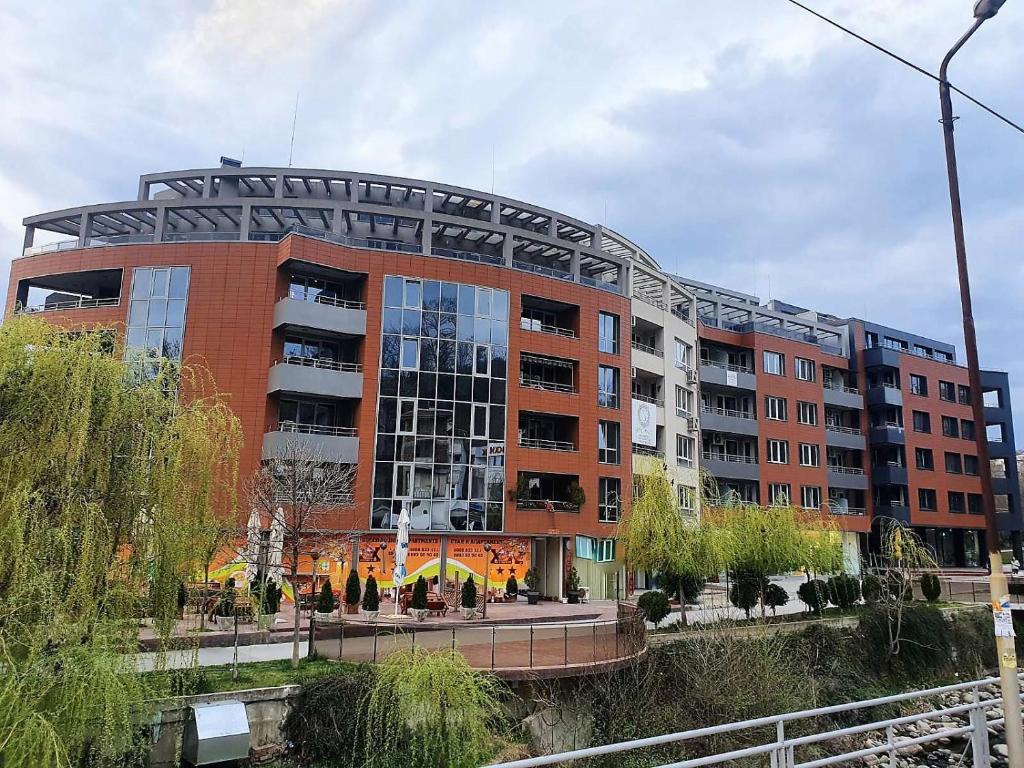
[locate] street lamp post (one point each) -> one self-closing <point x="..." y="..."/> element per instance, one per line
<point x="983" y="10"/>
<point x="487" y="569"/>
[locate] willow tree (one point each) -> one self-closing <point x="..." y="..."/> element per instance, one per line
<point x="103" y="479"/>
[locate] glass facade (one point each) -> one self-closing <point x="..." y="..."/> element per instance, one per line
<point x="156" y="317"/>
<point x="440" y="446"/>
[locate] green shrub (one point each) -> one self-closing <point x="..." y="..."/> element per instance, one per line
<point x="871" y="589"/>
<point x="322" y="723"/>
<point x="419" y="595"/>
<point x="371" y="595"/>
<point x="512" y="587"/>
<point x="916" y="647"/>
<point x="690" y="586"/>
<point x="352" y="588"/>
<point x="654" y="605"/>
<point x="226" y="604"/>
<point x="468" y="592"/>
<point x="775" y="597"/>
<point x="931" y="587"/>
<point x="972" y="639"/>
<point x="572" y="583"/>
<point x="843" y="591"/>
<point x="532" y="580"/>
<point x="746" y="590"/>
<point x="814" y="594"/>
<point x="325" y="603"/>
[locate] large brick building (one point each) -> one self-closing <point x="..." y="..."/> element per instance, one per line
<point x="471" y="355"/>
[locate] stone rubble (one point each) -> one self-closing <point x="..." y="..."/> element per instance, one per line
<point x="944" y="752"/>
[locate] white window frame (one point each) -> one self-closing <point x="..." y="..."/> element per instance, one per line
<point x="773" y="356"/>
<point x="685" y="360"/>
<point x="779" y="490"/>
<point x="810" y="408"/>
<point x="804" y="369"/>
<point x="777" y="451"/>
<point x="810" y="455"/>
<point x="773" y="406"/>
<point x="684" y="409"/>
<point x="687" y="498"/>
<point x="605" y="551"/>
<point x="810" y="493"/>
<point x="685" y="447"/>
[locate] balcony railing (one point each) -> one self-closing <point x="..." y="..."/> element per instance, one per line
<point x="320" y="298"/>
<point x="844" y="470"/>
<point x="80" y="303"/>
<point x="841" y="509"/>
<point x="316" y="429"/>
<point x="548" y="505"/>
<point x="645" y="450"/>
<point x="482" y="258"/>
<point x="553" y="330"/>
<point x="734" y="458"/>
<point x="377" y="244"/>
<point x="547" y="445"/>
<point x="640" y="347"/>
<point x="841" y="428"/>
<point x="525" y="266"/>
<point x="61" y="245"/>
<point x="316" y="362"/>
<point x="842" y="388"/>
<point x="658" y="303"/>
<point x="602" y="285"/>
<point x="530" y="382"/>
<point x="727" y="366"/>
<point x="727" y="412"/>
<point x="648" y="399"/>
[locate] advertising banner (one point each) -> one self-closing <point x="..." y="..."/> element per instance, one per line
<point x="645" y="424"/>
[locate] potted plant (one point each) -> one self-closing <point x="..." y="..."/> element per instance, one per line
<point x="511" y="590"/>
<point x="572" y="586"/>
<point x="325" y="603"/>
<point x="371" y="599"/>
<point x="352" y="592"/>
<point x="469" y="598"/>
<point x="577" y="498"/>
<point x="532" y="579"/>
<point x="418" y="605"/>
<point x="522" y="490"/>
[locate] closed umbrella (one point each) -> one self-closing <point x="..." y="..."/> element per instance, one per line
<point x="252" y="545"/>
<point x="401" y="553"/>
<point x="275" y="572"/>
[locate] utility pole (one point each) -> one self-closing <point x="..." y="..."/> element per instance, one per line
<point x="1008" y="680"/>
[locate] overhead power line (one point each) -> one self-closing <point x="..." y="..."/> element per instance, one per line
<point x="907" y="63"/>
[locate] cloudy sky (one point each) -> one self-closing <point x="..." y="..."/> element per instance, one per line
<point x="743" y="143"/>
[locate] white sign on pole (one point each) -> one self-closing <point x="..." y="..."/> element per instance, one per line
<point x="645" y="424"/>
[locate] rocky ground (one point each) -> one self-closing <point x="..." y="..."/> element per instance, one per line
<point x="945" y="751"/>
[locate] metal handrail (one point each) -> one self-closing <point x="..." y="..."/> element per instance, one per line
<point x="452" y="253"/>
<point x="554" y="504"/>
<point x="548" y="386"/>
<point x="524" y="266"/>
<point x="837" y="509"/>
<point x="547" y="445"/>
<point x="727" y="412"/>
<point x="888" y="425"/>
<point x="644" y="450"/>
<point x="841" y="428"/>
<point x="648" y="399"/>
<point x="645" y="348"/>
<point x="320" y="298"/>
<point x="317" y="362"/>
<point x="60" y="245"/>
<point x="315" y="429"/>
<point x="656" y="303"/>
<point x="842" y="388"/>
<point x="781" y="748"/>
<point x="734" y="458"/>
<point x="81" y="303"/>
<point x="728" y="366"/>
<point x="554" y="330"/>
<point x="843" y="470"/>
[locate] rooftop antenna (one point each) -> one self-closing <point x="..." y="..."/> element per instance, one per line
<point x="295" y="119"/>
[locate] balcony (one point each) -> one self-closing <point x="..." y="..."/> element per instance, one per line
<point x="893" y="434"/>
<point x="646" y="450"/>
<point x="549" y="374"/>
<point x="322" y="314"/>
<point x="884" y="394"/>
<point x="657" y="402"/>
<point x="889" y="474"/>
<point x="898" y="512"/>
<point x="312" y="376"/>
<point x="842" y="510"/>
<point x="728" y="420"/>
<point x="548" y="432"/>
<point x="552" y="330"/>
<point x="838" y="436"/>
<point x="847" y="477"/>
<point x="91" y="289"/>
<point x="734" y="466"/>
<point x="338" y="445"/>
<point x="877" y="356"/>
<point x="843" y="397"/>
<point x="81" y="302"/>
<point x="727" y="375"/>
<point x="547" y="492"/>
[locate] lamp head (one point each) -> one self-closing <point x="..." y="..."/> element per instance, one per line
<point x="986" y="9"/>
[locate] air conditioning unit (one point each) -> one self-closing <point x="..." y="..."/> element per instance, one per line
<point x="693" y="424"/>
<point x="691" y="376"/>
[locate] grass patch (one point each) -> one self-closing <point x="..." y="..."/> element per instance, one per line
<point x="258" y="674"/>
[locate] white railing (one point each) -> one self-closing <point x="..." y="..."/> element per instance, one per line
<point x="839" y="509"/>
<point x="845" y="470"/>
<point x="320" y="298"/>
<point x="841" y="428"/>
<point x="61" y="245"/>
<point x="641" y="347"/>
<point x="549" y="386"/>
<point x="734" y="458"/>
<point x="781" y="751"/>
<point x="538" y="327"/>
<point x="648" y="399"/>
<point x="842" y="388"/>
<point x="728" y="366"/>
<point x="727" y="412"/>
<point x="80" y="303"/>
<point x="546" y="445"/>
<point x="317" y="362"/>
<point x="315" y="429"/>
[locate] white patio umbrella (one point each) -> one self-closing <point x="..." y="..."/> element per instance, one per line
<point x="275" y="571"/>
<point x="401" y="552"/>
<point x="252" y="545"/>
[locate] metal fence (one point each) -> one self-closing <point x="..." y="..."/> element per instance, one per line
<point x="495" y="647"/>
<point x="783" y="751"/>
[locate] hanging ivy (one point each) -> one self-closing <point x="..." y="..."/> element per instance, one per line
<point x="107" y="485"/>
